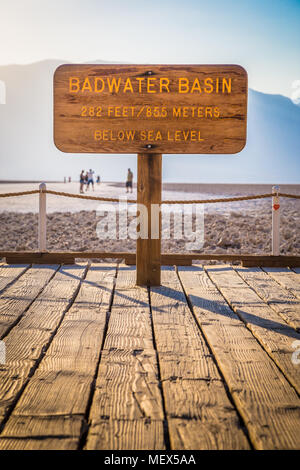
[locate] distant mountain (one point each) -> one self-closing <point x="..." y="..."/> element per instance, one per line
<point x="272" y="153"/>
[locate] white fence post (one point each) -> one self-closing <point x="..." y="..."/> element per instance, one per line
<point x="42" y="217"/>
<point x="275" y="221"/>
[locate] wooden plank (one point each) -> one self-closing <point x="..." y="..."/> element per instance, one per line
<point x="286" y="278"/>
<point x="150" y="106"/>
<point x="199" y="413"/>
<point x="19" y="296"/>
<point x="166" y="258"/>
<point x="48" y="443"/>
<point x="267" y="403"/>
<point x="127" y="397"/>
<point x="127" y="327"/>
<point x="28" y="340"/>
<point x="126" y="280"/>
<point x="280" y="300"/>
<point x="148" y="248"/>
<point x="276" y="261"/>
<point x="194" y="434"/>
<point x="175" y="261"/>
<point x="10" y="274"/>
<point x="49" y="255"/>
<point x="124" y="434"/>
<point x="40" y="258"/>
<point x="272" y="332"/>
<point x="49" y="260"/>
<point x="41" y="427"/>
<point x="60" y="388"/>
<point x="257" y="260"/>
<point x="127" y="386"/>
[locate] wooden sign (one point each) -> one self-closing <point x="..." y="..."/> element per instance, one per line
<point x="150" y="108"/>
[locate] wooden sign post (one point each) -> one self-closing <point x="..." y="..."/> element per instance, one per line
<point x="148" y="250"/>
<point x="150" y="110"/>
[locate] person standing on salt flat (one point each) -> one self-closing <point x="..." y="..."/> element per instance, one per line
<point x="129" y="181"/>
<point x="90" y="180"/>
<point x="81" y="180"/>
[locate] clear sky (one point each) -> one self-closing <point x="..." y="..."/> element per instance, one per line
<point x="261" y="35"/>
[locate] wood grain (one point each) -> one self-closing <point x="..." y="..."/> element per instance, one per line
<point x="127" y="396"/>
<point x="272" y="332"/>
<point x="225" y="133"/>
<point x="58" y="392"/>
<point x="278" y="298"/>
<point x="19" y="296"/>
<point x="26" y="342"/>
<point x="41" y="433"/>
<point x="286" y="278"/>
<point x="149" y="187"/>
<point x="199" y="413"/>
<point x="47" y="443"/>
<point x="10" y="273"/>
<point x="166" y="258"/>
<point x="92" y="364"/>
<point x="269" y="406"/>
<point x="138" y="434"/>
<point x="203" y="434"/>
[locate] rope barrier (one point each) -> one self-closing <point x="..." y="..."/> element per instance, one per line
<point x="79" y="196"/>
<point x="295" y="196"/>
<point x="23" y="193"/>
<point x="227" y="199"/>
<point x="183" y="201"/>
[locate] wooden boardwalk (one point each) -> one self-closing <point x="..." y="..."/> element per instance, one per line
<point x="206" y="361"/>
